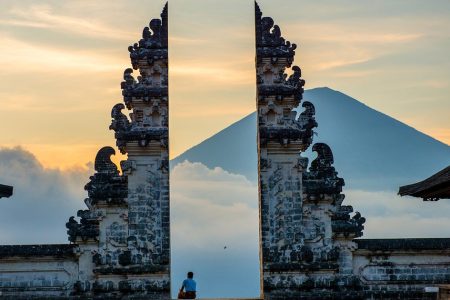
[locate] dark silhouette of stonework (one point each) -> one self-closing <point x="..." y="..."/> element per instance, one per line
<point x="309" y="246"/>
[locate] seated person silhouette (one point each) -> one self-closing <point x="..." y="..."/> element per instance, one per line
<point x="189" y="286"/>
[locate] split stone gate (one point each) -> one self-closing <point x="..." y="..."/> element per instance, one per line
<point x="120" y="248"/>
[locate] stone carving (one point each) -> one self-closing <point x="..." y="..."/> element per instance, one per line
<point x="147" y="96"/>
<point x="153" y="43"/>
<point x="147" y="87"/>
<point x="269" y="42"/>
<point x="120" y="122"/>
<point x="116" y="234"/>
<point x="86" y="229"/>
<point x="322" y="176"/>
<point x="106" y="185"/>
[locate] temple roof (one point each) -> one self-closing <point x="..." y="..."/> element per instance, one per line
<point x="411" y="244"/>
<point x="431" y="189"/>
<point x="5" y="191"/>
<point x="55" y="250"/>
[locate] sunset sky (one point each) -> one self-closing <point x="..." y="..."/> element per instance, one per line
<point x="62" y="63"/>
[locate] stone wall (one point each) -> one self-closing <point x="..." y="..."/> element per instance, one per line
<point x="37" y="270"/>
<point x="401" y="268"/>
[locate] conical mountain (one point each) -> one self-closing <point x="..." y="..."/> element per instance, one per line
<point x="372" y="151"/>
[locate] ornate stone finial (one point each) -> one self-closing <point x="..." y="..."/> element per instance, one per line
<point x="103" y="163"/>
<point x="107" y="184"/>
<point x="307" y="122"/>
<point x="269" y="41"/>
<point x="119" y="122"/>
<point x="322" y="177"/>
<point x="129" y="81"/>
<point x="87" y="229"/>
<point x="295" y="80"/>
<point x="324" y="160"/>
<point x="310" y="110"/>
<point x="154" y="42"/>
<point x="342" y="225"/>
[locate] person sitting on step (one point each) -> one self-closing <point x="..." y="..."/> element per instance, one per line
<point x="189" y="286"/>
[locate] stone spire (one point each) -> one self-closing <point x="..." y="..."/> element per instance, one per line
<point x="124" y="236"/>
<point x="145" y="140"/>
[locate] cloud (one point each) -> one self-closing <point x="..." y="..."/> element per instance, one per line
<point x="391" y="216"/>
<point x="44" y="16"/>
<point x="183" y="41"/>
<point x="43" y="199"/>
<point x="66" y="156"/>
<point x="18" y="56"/>
<point x="341" y="63"/>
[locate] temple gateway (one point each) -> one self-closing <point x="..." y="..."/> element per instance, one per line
<point x="309" y="241"/>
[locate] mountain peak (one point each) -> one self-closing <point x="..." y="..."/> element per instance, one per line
<point x="371" y="149"/>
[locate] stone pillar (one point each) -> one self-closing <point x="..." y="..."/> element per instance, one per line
<point x="305" y="232"/>
<point x="281" y="137"/>
<point x="124" y="236"/>
<point x="145" y="140"/>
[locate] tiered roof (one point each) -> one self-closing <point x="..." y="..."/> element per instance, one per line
<point x="431" y="189"/>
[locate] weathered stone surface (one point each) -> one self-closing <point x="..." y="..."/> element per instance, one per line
<point x="402" y="268"/>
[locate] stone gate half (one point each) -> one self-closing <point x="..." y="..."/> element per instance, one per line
<point x="308" y="245"/>
<point x="121" y="245"/>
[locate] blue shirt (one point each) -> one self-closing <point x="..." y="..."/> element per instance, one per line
<point x="189" y="285"/>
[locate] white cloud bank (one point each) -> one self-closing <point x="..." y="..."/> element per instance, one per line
<point x="214" y="217"/>
<point x="391" y="216"/>
<point x="43" y="199"/>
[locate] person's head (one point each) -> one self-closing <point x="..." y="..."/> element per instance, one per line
<point x="190" y="275"/>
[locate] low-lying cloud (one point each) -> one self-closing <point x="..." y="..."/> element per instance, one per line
<point x="391" y="216"/>
<point x="43" y="199"/>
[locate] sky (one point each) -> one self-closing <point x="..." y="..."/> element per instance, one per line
<point x="63" y="62"/>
